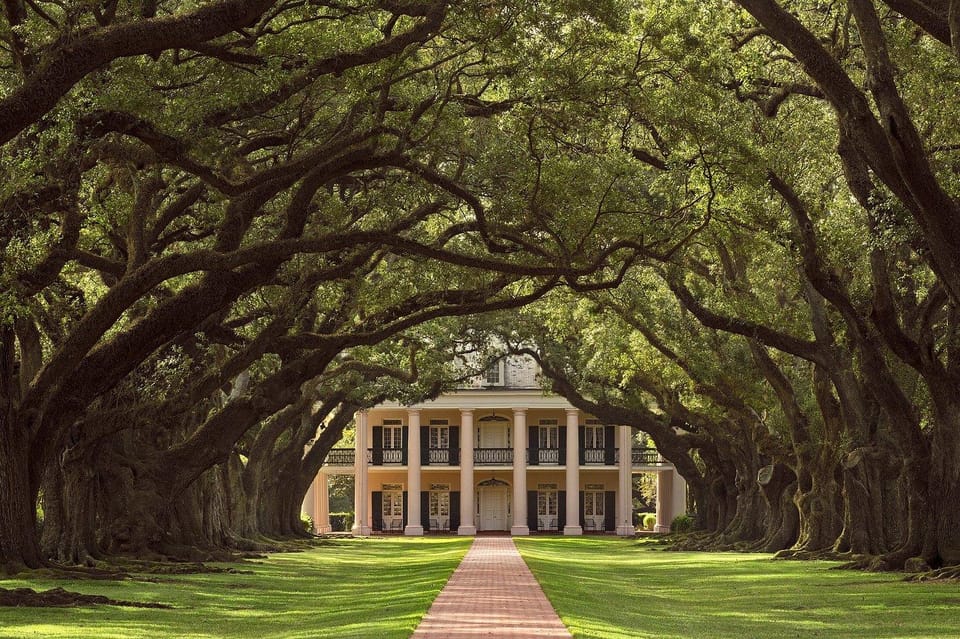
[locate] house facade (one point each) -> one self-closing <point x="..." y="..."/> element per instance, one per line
<point x="499" y="455"/>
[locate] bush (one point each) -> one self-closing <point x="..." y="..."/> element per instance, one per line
<point x="681" y="524"/>
<point x="307" y="522"/>
<point x="649" y="521"/>
<point x="341" y="522"/>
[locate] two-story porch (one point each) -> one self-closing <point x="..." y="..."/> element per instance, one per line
<point x="512" y="460"/>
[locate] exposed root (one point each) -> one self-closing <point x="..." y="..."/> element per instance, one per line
<point x="825" y="554"/>
<point x="60" y="598"/>
<point x="947" y="574"/>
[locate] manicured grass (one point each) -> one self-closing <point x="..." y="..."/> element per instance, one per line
<point x="618" y="588"/>
<point x="347" y="588"/>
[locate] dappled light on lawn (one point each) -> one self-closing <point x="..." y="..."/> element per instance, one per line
<point x="614" y="588"/>
<point x="354" y="588"/>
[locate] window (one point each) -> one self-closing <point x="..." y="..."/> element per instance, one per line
<point x="439" y="434"/>
<point x="593" y="435"/>
<point x="392" y="503"/>
<point x="492" y="376"/>
<point x="547" y="503"/>
<point x="549" y="434"/>
<point x="439" y="504"/>
<point x="392" y="434"/>
<point x="593" y="503"/>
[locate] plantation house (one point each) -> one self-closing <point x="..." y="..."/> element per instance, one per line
<point x="497" y="455"/>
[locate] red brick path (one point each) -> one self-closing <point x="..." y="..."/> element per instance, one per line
<point x="491" y="594"/>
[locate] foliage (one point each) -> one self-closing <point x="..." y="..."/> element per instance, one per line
<point x="307" y="522"/>
<point x="341" y="522"/>
<point x="681" y="524"/>
<point x="649" y="521"/>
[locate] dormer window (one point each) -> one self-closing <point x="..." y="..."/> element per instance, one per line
<point x="493" y="376"/>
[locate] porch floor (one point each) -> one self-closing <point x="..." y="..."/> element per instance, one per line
<point x="492" y="593"/>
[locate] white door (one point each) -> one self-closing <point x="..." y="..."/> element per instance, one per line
<point x="494" y="507"/>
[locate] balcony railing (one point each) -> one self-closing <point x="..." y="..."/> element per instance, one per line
<point x="438" y="456"/>
<point x="548" y="455"/>
<point x="493" y="456"/>
<point x="645" y="457"/>
<point x="497" y="456"/>
<point x="341" y="457"/>
<point x="594" y="455"/>
<point x="385" y="456"/>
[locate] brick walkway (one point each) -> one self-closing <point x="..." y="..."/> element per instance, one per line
<point x="491" y="594"/>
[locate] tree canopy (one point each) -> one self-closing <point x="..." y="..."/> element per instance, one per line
<point x="228" y="226"/>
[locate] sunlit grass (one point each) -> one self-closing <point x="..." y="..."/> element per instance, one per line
<point x="348" y="588"/>
<point x="614" y="588"/>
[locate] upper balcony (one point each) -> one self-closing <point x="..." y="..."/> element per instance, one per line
<point x="450" y="457"/>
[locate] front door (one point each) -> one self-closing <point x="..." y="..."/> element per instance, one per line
<point x="493" y="506"/>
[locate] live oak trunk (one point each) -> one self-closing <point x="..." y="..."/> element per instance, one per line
<point x="19" y="541"/>
<point x="778" y="484"/>
<point x="941" y="543"/>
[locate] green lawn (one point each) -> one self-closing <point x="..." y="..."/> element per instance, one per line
<point x="620" y="588"/>
<point x="602" y="587"/>
<point x="349" y="588"/>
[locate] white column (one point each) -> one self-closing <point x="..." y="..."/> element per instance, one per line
<point x="519" y="473"/>
<point x="309" y="505"/>
<point x="625" y="488"/>
<point x="573" y="474"/>
<point x="321" y="495"/>
<point x="467" y="525"/>
<point x="414" y="522"/>
<point x="664" y="501"/>
<point x="361" y="497"/>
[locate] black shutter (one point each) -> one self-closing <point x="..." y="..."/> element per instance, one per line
<point x="425" y="510"/>
<point x="610" y="511"/>
<point x="377" y="510"/>
<point x="582" y="440"/>
<point x="406" y="517"/>
<point x="609" y="448"/>
<point x="424" y="445"/>
<point x="534" y="441"/>
<point x="403" y="453"/>
<point x="378" y="445"/>
<point x="532" y="522"/>
<point x="454" y="445"/>
<point x="561" y="509"/>
<point x="454" y="510"/>
<point x="583" y="517"/>
<point x="562" y="445"/>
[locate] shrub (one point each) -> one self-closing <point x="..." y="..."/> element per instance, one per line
<point x="307" y="522"/>
<point x="649" y="521"/>
<point x="681" y="524"/>
<point x="341" y="522"/>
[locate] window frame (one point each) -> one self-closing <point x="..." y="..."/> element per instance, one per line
<point x="549" y="432"/>
<point x="392" y="503"/>
<point x="392" y="432"/>
<point x="439" y="434"/>
<point x="546" y="493"/>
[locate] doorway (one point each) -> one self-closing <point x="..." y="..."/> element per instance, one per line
<point x="494" y="507"/>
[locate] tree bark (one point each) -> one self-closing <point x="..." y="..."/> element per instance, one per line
<point x="19" y="540"/>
